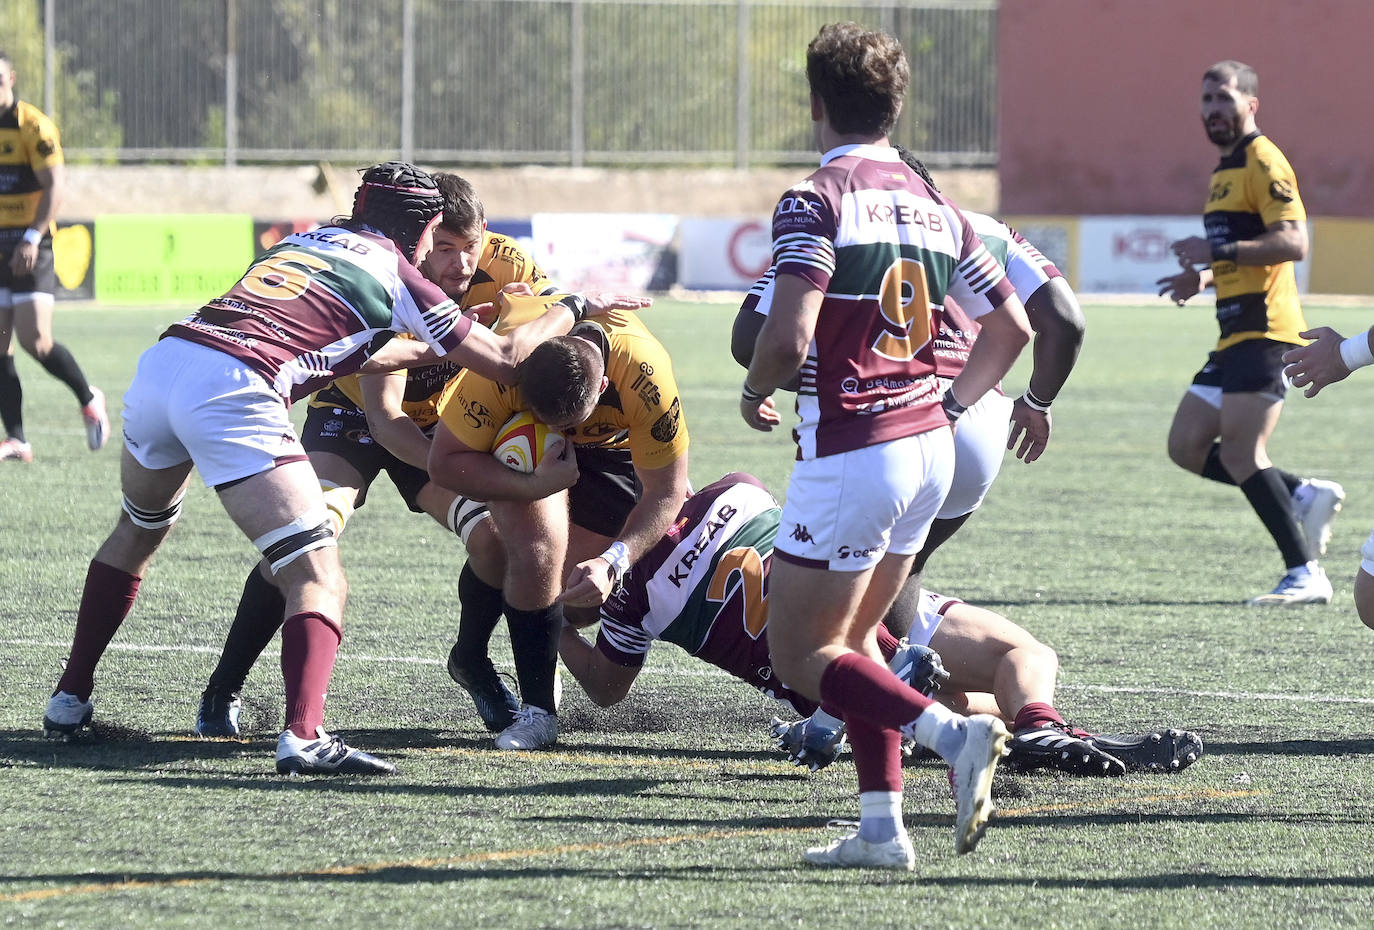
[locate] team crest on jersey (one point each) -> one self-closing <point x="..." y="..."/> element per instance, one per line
<point x="1281" y="190"/>
<point x="45" y="148"/>
<point x="665" y="427"/>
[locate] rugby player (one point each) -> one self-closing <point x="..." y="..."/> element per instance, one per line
<point x="704" y="587"/>
<point x="574" y="526"/>
<point x="1256" y="229"/>
<point x="851" y="316"/>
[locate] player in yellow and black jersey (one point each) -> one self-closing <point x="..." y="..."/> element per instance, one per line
<point x="31" y="177"/>
<point x="575" y="526"/>
<point x="1256" y="229"/>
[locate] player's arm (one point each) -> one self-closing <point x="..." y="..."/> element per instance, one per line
<point x="1057" y="321"/>
<point x="1281" y="241"/>
<point x="1005" y="332"/>
<point x="477" y="474"/>
<point x="592" y="581"/>
<point x="51" y="179"/>
<point x="604" y="681"/>
<point x="398" y="434"/>
<point x="781" y="348"/>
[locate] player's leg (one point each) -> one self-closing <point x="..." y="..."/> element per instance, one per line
<point x="480" y="603"/>
<point x="15" y="447"/>
<point x="535" y="535"/>
<point x="1247" y="421"/>
<point x="1364" y="584"/>
<point x="151" y="504"/>
<point x="1194" y="431"/>
<point x="33" y="327"/>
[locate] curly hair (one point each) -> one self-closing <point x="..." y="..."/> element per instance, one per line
<point x="860" y="76"/>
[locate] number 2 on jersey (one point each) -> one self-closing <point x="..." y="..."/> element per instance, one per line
<point x="746" y="561"/>
<point x="905" y="302"/>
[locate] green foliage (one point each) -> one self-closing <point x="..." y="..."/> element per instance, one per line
<point x="672" y="810"/>
<point x="86" y="114"/>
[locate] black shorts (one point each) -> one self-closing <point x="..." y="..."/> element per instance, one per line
<point x="607" y="490"/>
<point x="1254" y="366"/>
<point x="41" y="280"/>
<point x="343" y="431"/>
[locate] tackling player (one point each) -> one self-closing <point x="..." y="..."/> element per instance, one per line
<point x="360" y="426"/>
<point x="214" y="394"/>
<point x="573" y="527"/>
<point x="704" y="587"/>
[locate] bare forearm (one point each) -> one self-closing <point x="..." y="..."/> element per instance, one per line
<point x="1004" y="334"/>
<point x="1058" y="324"/>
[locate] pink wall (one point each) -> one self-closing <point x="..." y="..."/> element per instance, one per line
<point x="1098" y="100"/>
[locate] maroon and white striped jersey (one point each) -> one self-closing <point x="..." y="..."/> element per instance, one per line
<point x="886" y="249"/>
<point x="318" y="304"/>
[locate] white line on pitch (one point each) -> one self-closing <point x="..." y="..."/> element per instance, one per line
<point x="710" y="671"/>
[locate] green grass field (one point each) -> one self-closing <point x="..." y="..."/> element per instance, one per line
<point x="673" y="810"/>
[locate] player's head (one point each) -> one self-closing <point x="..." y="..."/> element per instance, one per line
<point x="916" y="165"/>
<point x="563" y="377"/>
<point x="403" y="203"/>
<point x="6" y="80"/>
<point x="1230" y="99"/>
<point x="457" y="238"/>
<point x="860" y="78"/>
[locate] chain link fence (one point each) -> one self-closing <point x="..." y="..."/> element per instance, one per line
<point x="557" y="82"/>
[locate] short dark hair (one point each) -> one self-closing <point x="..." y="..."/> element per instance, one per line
<point x="1247" y="81"/>
<point x="860" y="76"/>
<point x="916" y="165"/>
<point x="560" y="378"/>
<point x="399" y="200"/>
<point x="463" y="211"/>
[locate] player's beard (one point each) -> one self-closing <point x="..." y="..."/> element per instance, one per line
<point x="1222" y="132"/>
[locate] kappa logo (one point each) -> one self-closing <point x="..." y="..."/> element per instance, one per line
<point x="801" y="534"/>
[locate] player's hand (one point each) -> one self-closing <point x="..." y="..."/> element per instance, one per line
<point x="1318" y="363"/>
<point x="1179" y="287"/>
<point x="519" y="288"/>
<point x="1194" y="250"/>
<point x="557" y="470"/>
<point x="601" y="303"/>
<point x="24" y="259"/>
<point x="1031" y="428"/>
<point x="588" y="584"/>
<point x="762" y="416"/>
<point x="485" y="314"/>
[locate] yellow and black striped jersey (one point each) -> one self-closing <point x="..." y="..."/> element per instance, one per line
<point x="640" y="409"/>
<point x="29" y="143"/>
<point x="502" y="261"/>
<point x="1252" y="189"/>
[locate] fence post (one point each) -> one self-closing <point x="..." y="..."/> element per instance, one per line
<point x="50" y="58"/>
<point x="742" y="85"/>
<point x="578" y="75"/>
<point x="231" y="82"/>
<point x="408" y="80"/>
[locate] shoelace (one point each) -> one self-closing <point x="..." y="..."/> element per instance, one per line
<point x="525" y="716"/>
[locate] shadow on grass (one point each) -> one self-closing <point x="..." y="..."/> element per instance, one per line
<point x="1294" y="747"/>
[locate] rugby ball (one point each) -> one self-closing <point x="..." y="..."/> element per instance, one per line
<point x="523" y="442"/>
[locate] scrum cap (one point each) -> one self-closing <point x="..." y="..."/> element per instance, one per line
<point x="401" y="201"/>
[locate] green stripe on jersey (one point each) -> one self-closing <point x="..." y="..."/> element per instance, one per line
<point x="998" y="247"/>
<point x="690" y="627"/>
<point x="859" y="269"/>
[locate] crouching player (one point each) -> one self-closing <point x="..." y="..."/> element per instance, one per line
<point x="704" y="587"/>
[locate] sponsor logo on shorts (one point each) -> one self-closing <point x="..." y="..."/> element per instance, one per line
<point x="332" y="428"/>
<point x="845" y="552"/>
<point x="801" y="534"/>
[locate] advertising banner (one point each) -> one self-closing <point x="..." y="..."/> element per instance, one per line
<point x="606" y="251"/>
<point x="723" y="254"/>
<point x="170" y="258"/>
<point x="73" y="251"/>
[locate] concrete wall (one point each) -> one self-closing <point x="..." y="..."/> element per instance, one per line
<point x="1099" y="100"/>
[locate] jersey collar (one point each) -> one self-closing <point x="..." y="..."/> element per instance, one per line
<point x="862" y="150"/>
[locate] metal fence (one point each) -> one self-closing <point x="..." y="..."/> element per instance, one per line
<point x="559" y="82"/>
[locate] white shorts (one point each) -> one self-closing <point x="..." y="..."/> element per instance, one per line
<point x="845" y="512"/>
<point x="980" y="443"/>
<point x="189" y="402"/>
<point x="1367" y="556"/>
<point x="930" y="610"/>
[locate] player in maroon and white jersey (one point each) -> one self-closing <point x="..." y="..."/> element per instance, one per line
<point x="213" y="393"/>
<point x="704" y="587"/>
<point x="864" y="249"/>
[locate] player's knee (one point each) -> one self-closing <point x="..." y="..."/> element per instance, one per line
<point x="339" y="505"/>
<point x="307" y="533"/>
<point x="1364" y="585"/>
<point x="153" y="520"/>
